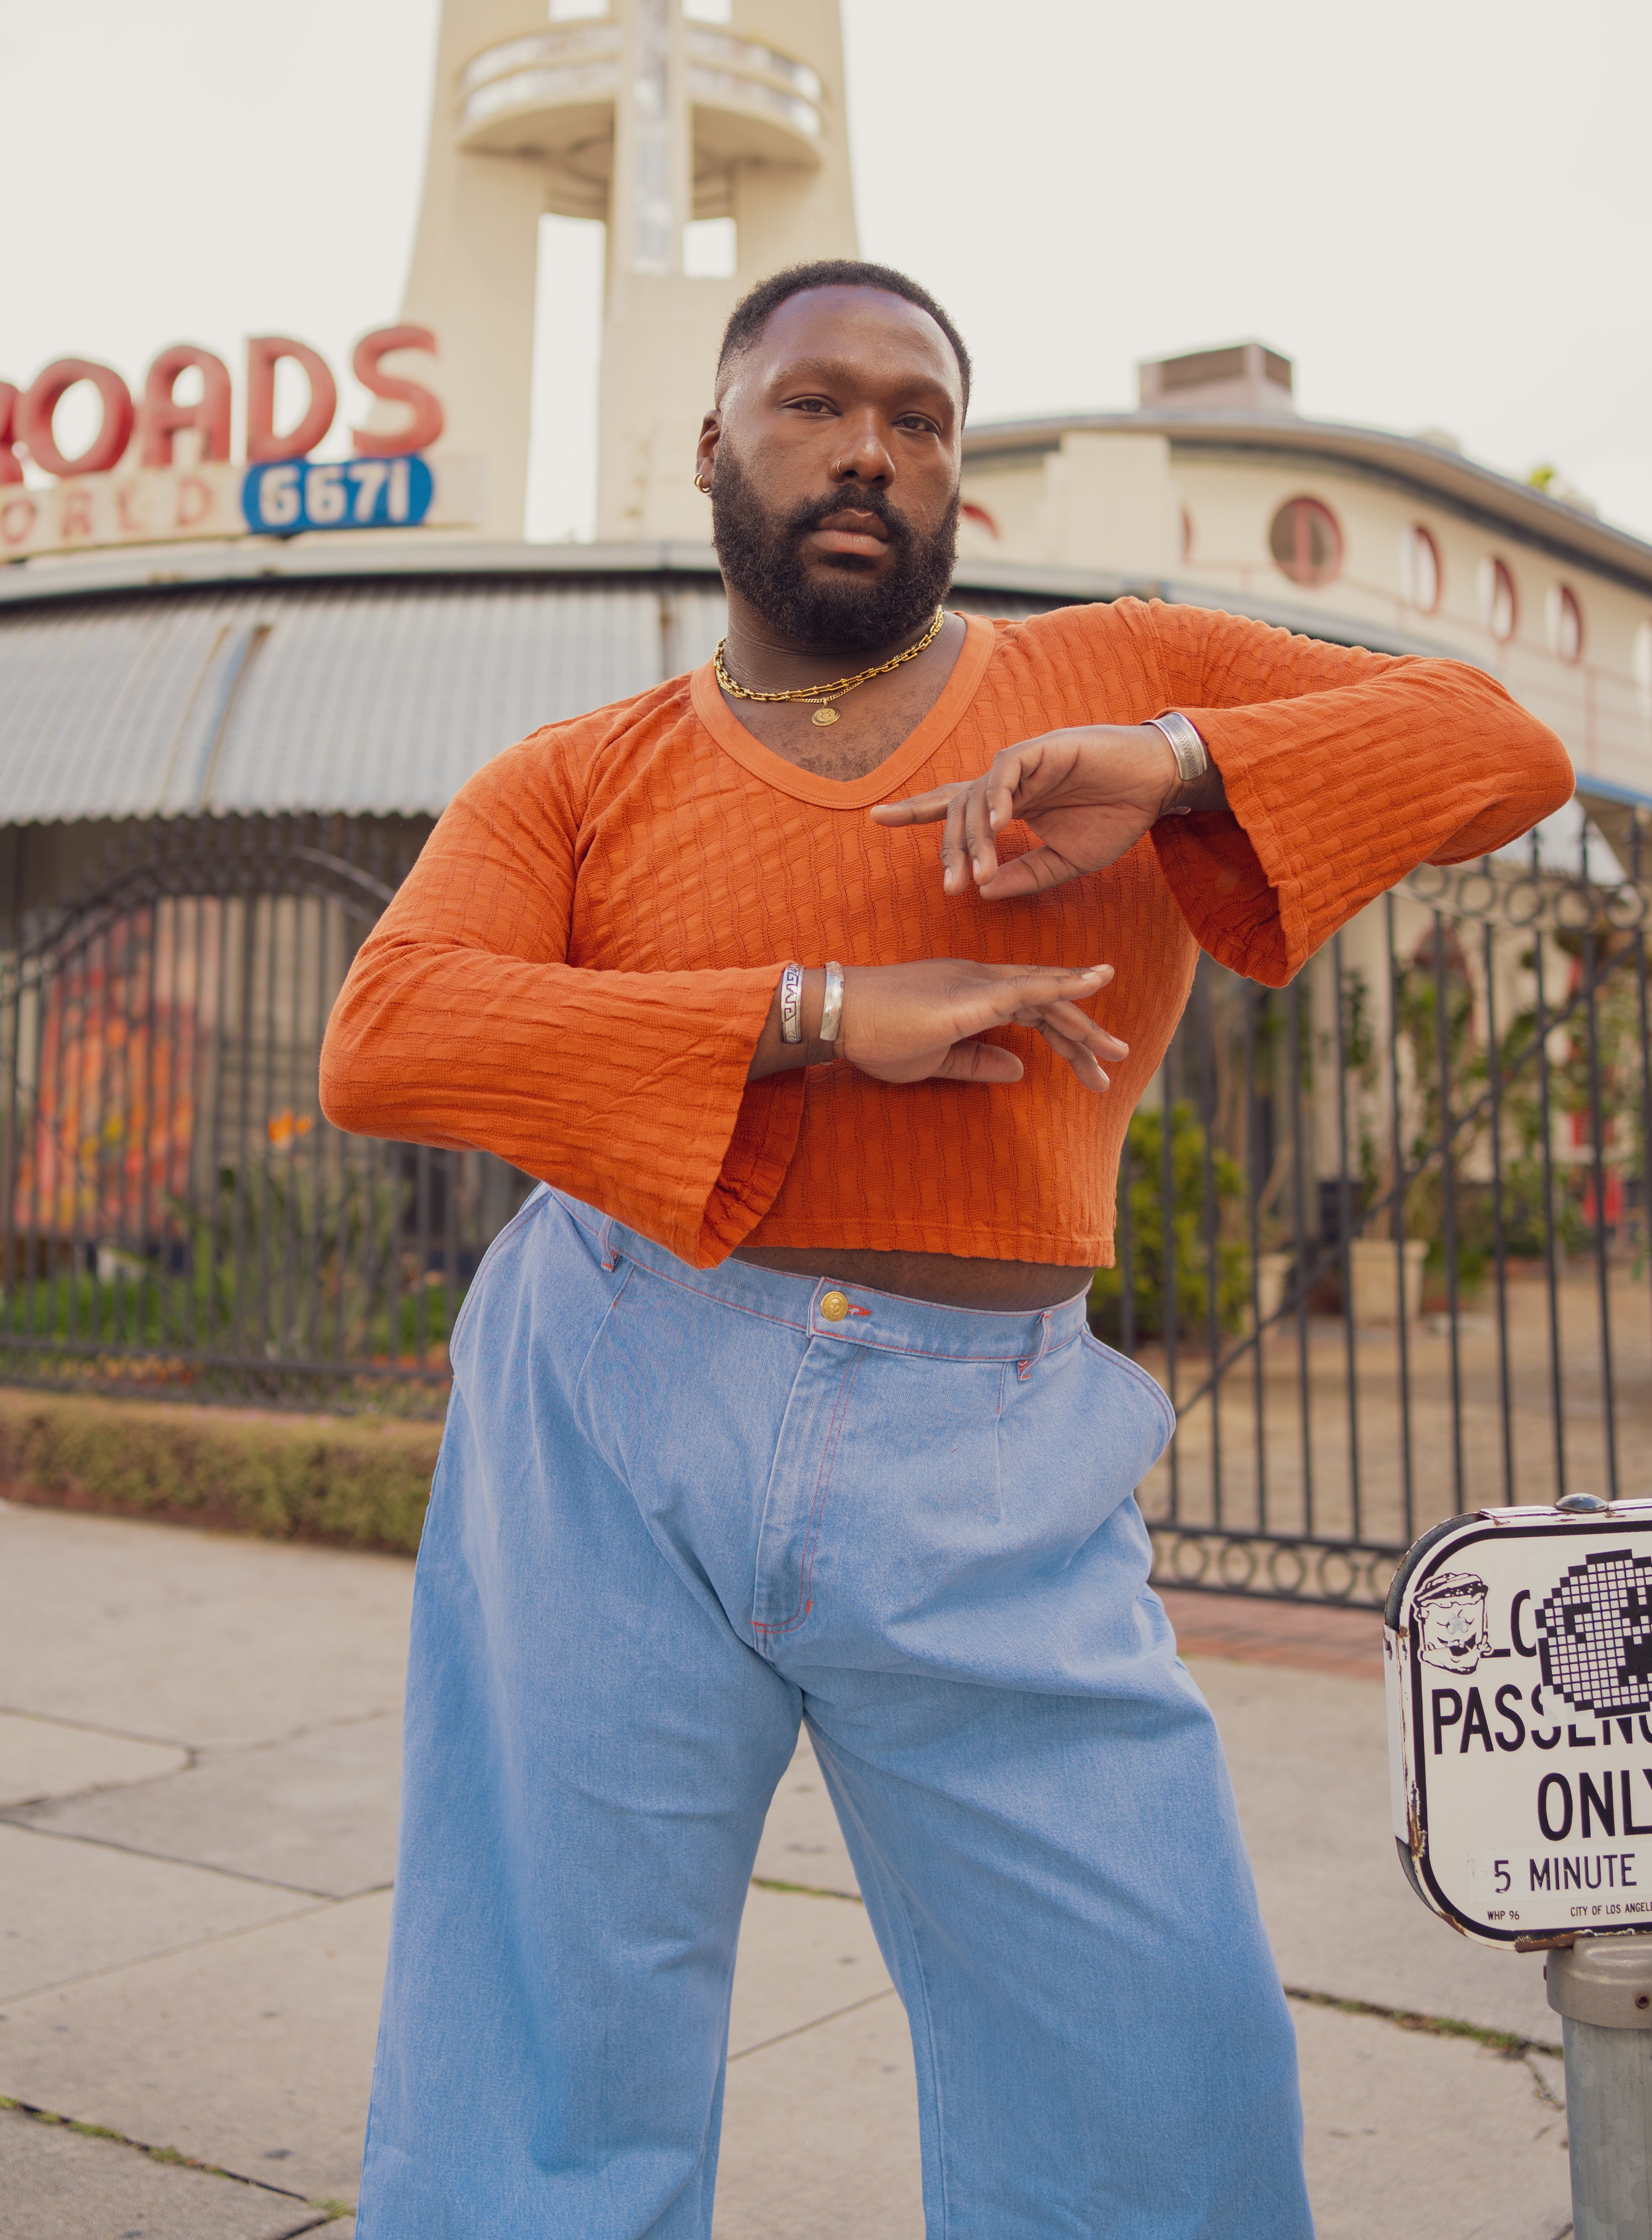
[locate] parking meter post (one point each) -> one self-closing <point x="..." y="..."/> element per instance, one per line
<point x="1602" y="1988"/>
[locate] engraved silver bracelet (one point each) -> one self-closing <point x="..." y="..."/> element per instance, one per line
<point x="791" y="1003"/>
<point x="1192" y="758"/>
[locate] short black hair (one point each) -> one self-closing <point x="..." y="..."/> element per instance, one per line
<point x="755" y="309"/>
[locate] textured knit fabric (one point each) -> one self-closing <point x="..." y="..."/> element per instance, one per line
<point x="576" y="973"/>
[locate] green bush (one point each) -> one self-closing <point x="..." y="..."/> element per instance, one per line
<point x="354" y="1481"/>
<point x="1189" y="1236"/>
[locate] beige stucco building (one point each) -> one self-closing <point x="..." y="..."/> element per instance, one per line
<point x="1215" y="490"/>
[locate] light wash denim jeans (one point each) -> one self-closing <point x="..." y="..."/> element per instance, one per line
<point x="676" y="1511"/>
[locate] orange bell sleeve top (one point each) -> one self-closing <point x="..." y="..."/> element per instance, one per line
<point x="576" y="971"/>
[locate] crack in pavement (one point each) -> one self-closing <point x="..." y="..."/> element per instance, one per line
<point x="200" y="1749"/>
<point x="1510" y="2043"/>
<point x="802" y="2029"/>
<point x="177" y="1859"/>
<point x="330" y="2209"/>
<point x="173" y="1952"/>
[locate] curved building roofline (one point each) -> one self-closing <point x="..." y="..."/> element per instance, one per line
<point x="372" y="676"/>
<point x="266" y="563"/>
<point x="336" y="558"/>
<point x="1431" y="470"/>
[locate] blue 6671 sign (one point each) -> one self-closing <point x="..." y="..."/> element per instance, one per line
<point x="287" y="496"/>
<point x="1518" y="1652"/>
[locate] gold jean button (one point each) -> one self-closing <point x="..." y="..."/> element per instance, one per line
<point x="834" y="1306"/>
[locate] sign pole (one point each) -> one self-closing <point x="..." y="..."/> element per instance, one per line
<point x="1518" y="1649"/>
<point x="1602" y="1988"/>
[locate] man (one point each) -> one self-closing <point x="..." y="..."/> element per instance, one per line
<point x="779" y="1402"/>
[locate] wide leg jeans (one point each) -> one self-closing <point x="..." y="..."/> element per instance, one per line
<point x="676" y="1511"/>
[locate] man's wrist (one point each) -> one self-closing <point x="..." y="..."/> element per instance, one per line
<point x="810" y="1051"/>
<point x="1193" y="782"/>
<point x="815" y="1051"/>
<point x="1165" y="785"/>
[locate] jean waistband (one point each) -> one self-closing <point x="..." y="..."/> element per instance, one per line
<point x="845" y="1313"/>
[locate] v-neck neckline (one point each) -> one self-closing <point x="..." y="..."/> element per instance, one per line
<point x="878" y="784"/>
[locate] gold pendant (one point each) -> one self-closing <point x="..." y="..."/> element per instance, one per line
<point x="825" y="714"/>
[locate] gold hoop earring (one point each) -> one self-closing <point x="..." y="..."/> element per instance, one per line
<point x="704" y="488"/>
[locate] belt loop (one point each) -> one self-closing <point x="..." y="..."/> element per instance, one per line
<point x="605" y="1244"/>
<point x="1024" y="1369"/>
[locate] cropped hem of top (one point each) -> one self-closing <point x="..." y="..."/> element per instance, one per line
<point x="576" y="974"/>
<point x="962" y="1239"/>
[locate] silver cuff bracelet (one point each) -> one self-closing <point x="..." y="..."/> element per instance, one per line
<point x="791" y="1003"/>
<point x="832" y="1016"/>
<point x="1192" y="759"/>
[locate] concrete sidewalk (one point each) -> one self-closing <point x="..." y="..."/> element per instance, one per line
<point x="198" y="1751"/>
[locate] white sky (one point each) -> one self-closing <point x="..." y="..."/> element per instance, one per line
<point x="1438" y="208"/>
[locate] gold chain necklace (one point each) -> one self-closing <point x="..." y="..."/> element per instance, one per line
<point x="819" y="696"/>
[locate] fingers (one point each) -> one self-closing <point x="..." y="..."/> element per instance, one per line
<point x="982" y="1063"/>
<point x="923" y="809"/>
<point x="1003" y="784"/>
<point x="1009" y="987"/>
<point x="1045" y="1002"/>
<point x="955" y="850"/>
<point x="1074" y="1026"/>
<point x="974" y="813"/>
<point x="1078" y="1054"/>
<point x="1029" y="874"/>
<point x="978" y="829"/>
<point x="917" y="1022"/>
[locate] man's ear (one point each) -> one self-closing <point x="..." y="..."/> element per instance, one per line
<point x="705" y="450"/>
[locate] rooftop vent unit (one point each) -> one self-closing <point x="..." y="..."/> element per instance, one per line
<point x="1245" y="377"/>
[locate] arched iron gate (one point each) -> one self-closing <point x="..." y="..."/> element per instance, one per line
<point x="177" y="1213"/>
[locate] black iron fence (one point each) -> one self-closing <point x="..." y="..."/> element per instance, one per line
<point x="1382" y="1234"/>
<point x="177" y="1213"/>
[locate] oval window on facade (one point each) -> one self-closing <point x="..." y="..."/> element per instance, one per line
<point x="1419" y="569"/>
<point x="1499" y="609"/>
<point x="1565" y="623"/>
<point x="1305" y="541"/>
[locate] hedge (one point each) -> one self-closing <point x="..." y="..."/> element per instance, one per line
<point x="358" y="1482"/>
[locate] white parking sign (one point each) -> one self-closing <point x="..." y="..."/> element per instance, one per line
<point x="1518" y="1652"/>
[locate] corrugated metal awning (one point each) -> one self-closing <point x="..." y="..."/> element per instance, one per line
<point x="373" y="678"/>
<point x="329" y="685"/>
<point x="376" y="697"/>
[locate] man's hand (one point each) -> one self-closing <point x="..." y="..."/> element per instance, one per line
<point x="906" y="1022"/>
<point x="1088" y="794"/>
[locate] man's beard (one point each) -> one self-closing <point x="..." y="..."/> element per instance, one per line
<point x="840" y="604"/>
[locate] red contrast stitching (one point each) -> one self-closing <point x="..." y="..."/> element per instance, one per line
<point x="804" y="1605"/>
